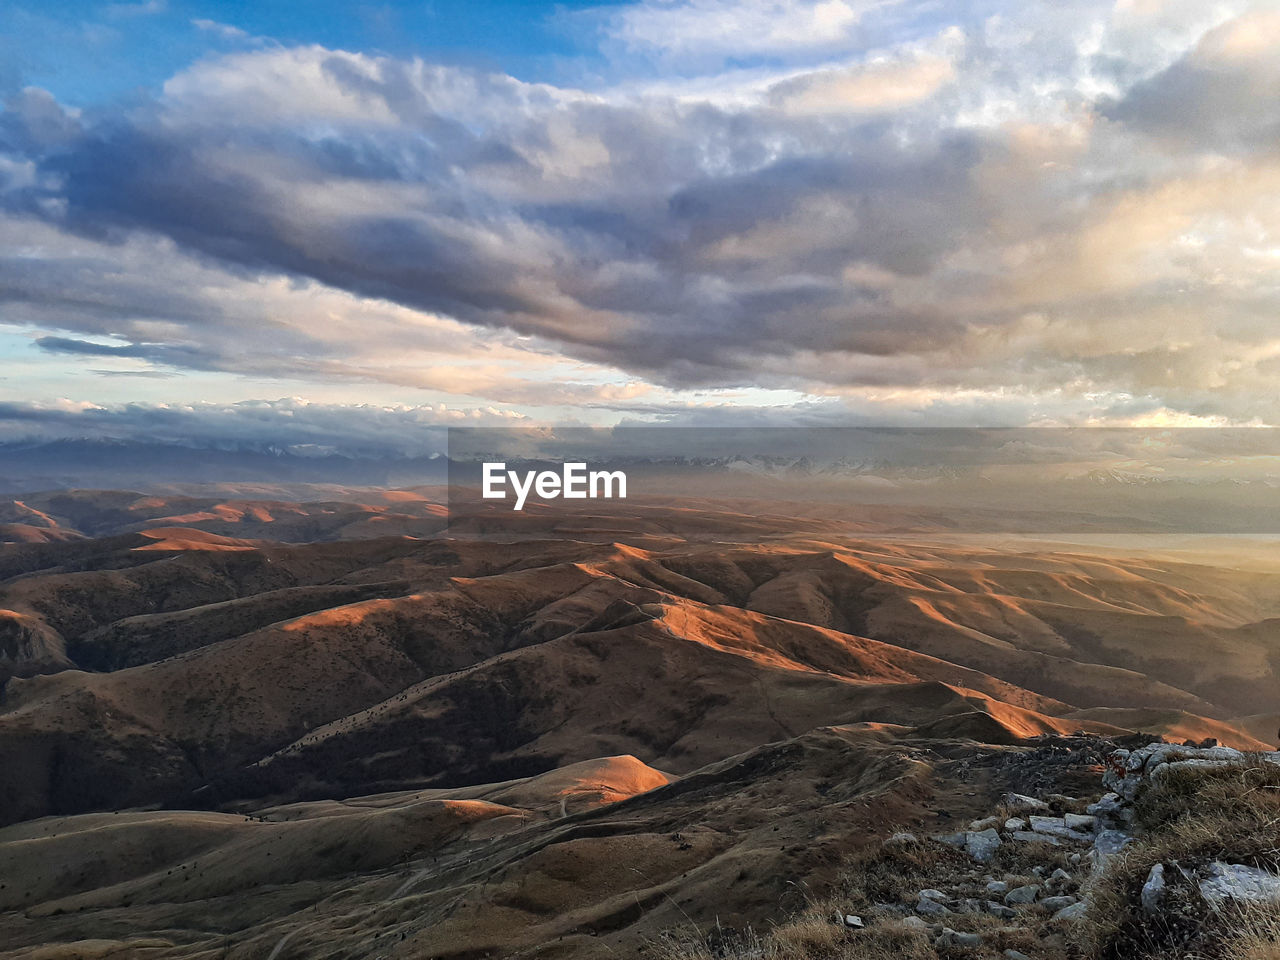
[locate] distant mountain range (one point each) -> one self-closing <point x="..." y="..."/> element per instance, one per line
<point x="65" y="464"/>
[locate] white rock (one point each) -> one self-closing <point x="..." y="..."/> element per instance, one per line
<point x="930" y="908"/>
<point x="1078" y="821"/>
<point x="1015" y="823"/>
<point x="1108" y="806"/>
<point x="954" y="938"/>
<point x="984" y="824"/>
<point x="1229" y="881"/>
<point x="998" y="887"/>
<point x="1047" y="824"/>
<point x="1074" y="912"/>
<point x="932" y="894"/>
<point x="853" y="922"/>
<point x="914" y="923"/>
<point x="982" y="845"/>
<point x="1193" y="763"/>
<point x="1057" y="827"/>
<point x="1021" y="803"/>
<point x="1110" y="842"/>
<point x="1021" y="895"/>
<point x="1026" y="836"/>
<point x="1153" y="890"/>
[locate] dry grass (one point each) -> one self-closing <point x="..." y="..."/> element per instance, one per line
<point x="870" y="885"/>
<point x="1256" y="936"/>
<point x="810" y="936"/>
<point x="896" y="872"/>
<point x="1189" y="817"/>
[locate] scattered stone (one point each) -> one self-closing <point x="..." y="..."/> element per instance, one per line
<point x="1022" y="895"/>
<point x="1054" y="904"/>
<point x="1057" y="827"/>
<point x="1229" y="881"/>
<point x="1079" y="821"/>
<point x="1153" y="890"/>
<point x="1075" y="911"/>
<point x="1110" y="842"/>
<point x="1108" y="806"/>
<point x="954" y="938"/>
<point x="1026" y="836"/>
<point x="1020" y="803"/>
<point x="1101" y="833"/>
<point x="1126" y="770"/>
<point x="931" y="908"/>
<point x="982" y="845"/>
<point x="1046" y="824"/>
<point x="853" y="922"/>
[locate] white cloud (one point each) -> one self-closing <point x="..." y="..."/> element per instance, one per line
<point x="146" y="8"/>
<point x="224" y="30"/>
<point x="1070" y="207"/>
<point x="875" y="87"/>
<point x="700" y="29"/>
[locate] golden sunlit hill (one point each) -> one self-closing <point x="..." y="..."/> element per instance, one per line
<point x="561" y="742"/>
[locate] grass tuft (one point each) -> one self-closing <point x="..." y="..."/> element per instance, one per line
<point x="1189" y="817"/>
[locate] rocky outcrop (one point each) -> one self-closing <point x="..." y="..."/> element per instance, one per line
<point x="1129" y="770"/>
<point x="1087" y="841"/>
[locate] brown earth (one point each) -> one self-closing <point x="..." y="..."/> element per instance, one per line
<point x="219" y="744"/>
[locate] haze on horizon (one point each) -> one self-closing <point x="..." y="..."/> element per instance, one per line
<point x="222" y="220"/>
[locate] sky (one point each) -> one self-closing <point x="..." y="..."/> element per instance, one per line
<point x="315" y="222"/>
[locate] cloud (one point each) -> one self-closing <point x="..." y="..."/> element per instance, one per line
<point x="223" y="30"/>
<point x="700" y="29"/>
<point x="1223" y="94"/>
<point x="86" y="348"/>
<point x="890" y="199"/>
<point x="146" y="8"/>
<point x="874" y="87"/>
<point x="152" y="303"/>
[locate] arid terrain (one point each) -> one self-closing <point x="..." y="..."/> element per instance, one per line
<point x="248" y="727"/>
